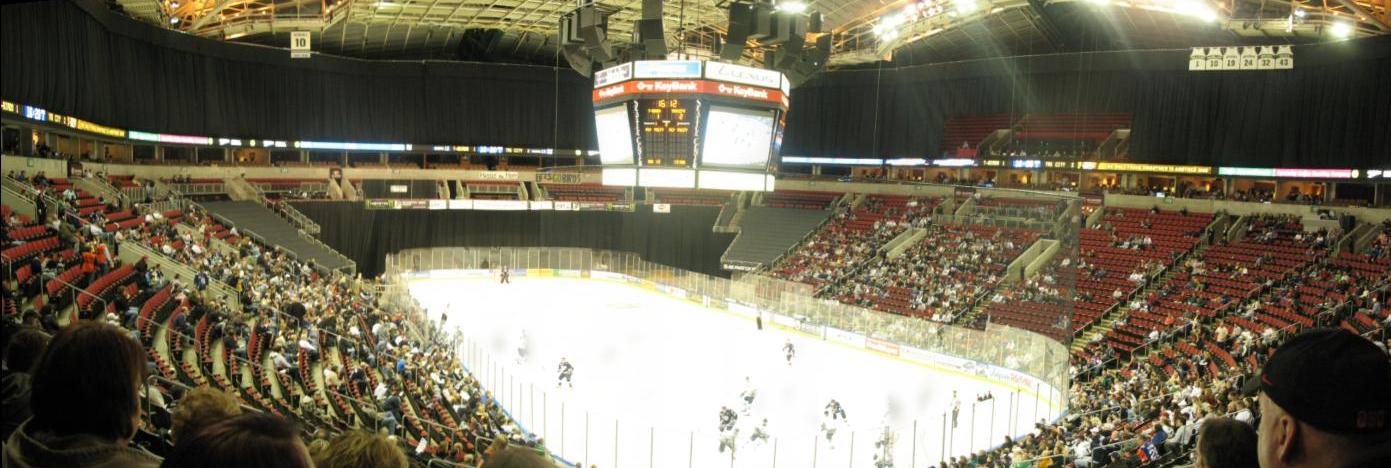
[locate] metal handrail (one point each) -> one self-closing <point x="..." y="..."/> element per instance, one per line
<point x="251" y="365"/>
<point x="23" y="196"/>
<point x="349" y="264"/>
<point x="102" y="185"/>
<point x="23" y="189"/>
<point x="296" y="217"/>
<point x="270" y="187"/>
<point x="216" y="286"/>
<point x="186" y="387"/>
<point x="1282" y="331"/>
<point x="79" y="290"/>
<point x="162" y="205"/>
<point x="331" y="392"/>
<point x="201" y="188"/>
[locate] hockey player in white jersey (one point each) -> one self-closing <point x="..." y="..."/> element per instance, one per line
<point x="523" y="346"/>
<point x="760" y="432"/>
<point x="748" y="396"/>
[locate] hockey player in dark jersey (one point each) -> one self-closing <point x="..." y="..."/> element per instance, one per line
<point x="566" y="372"/>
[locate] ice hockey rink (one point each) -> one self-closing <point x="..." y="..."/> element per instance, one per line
<point x="652" y="372"/>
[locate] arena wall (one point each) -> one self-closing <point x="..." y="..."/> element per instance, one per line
<point x="76" y="57"/>
<point x="681" y="239"/>
<point x="80" y="58"/>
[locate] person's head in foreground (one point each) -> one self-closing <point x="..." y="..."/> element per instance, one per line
<point x="502" y="455"/>
<point x="354" y="449"/>
<point x="247" y="441"/>
<point x="85" y="401"/>
<point x="1325" y="401"/>
<point x="1225" y="443"/>
<point x="202" y="407"/>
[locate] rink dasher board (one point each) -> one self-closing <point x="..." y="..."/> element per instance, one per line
<point x="968" y="368"/>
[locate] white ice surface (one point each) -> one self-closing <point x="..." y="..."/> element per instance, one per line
<point x="655" y="370"/>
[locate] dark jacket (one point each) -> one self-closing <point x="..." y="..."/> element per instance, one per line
<point x="44" y="449"/>
<point x="1377" y="456"/>
<point x="14" y="391"/>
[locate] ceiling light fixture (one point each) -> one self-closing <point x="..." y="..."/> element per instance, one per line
<point x="792" y="7"/>
<point x="1340" y="30"/>
<point x="966" y="6"/>
<point x="1198" y="9"/>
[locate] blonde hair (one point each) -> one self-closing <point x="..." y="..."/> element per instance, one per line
<point x="517" y="457"/>
<point x="355" y="449"/>
<point x="202" y="407"/>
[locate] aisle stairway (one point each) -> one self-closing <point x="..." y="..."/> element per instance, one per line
<point x="255" y="219"/>
<point x="1107" y="322"/>
<point x="765" y="233"/>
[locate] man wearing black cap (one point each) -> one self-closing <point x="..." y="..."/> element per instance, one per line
<point x="1325" y="401"/>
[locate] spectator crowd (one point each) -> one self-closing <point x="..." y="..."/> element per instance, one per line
<point x="335" y="365"/>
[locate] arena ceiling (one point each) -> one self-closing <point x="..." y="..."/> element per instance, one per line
<point x="864" y="31"/>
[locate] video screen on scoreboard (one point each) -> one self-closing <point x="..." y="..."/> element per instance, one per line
<point x="615" y="133"/>
<point x="737" y="137"/>
<point x="668" y="131"/>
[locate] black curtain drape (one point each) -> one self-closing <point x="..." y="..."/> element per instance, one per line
<point x="680" y="239"/>
<point x="76" y="57"/>
<point x="1332" y="110"/>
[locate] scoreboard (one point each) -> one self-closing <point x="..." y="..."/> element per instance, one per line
<point x="689" y="124"/>
<point x="668" y="136"/>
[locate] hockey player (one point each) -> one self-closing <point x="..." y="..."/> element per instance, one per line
<point x="829" y="429"/>
<point x="727" y="440"/>
<point x="789" y="351"/>
<point x="727" y="419"/>
<point x="522" y="346"/>
<point x="955" y="408"/>
<point x="834" y="411"/>
<point x="506" y="275"/>
<point x="566" y="372"/>
<point x="748" y="395"/>
<point x="884" y="446"/>
<point x="760" y="432"/>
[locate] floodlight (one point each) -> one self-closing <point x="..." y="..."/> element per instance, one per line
<point x="1198" y="9"/>
<point x="1340" y="29"/>
<point x="792" y="7"/>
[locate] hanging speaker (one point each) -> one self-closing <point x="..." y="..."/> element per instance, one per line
<point x="740" y="22"/>
<point x="578" y="60"/>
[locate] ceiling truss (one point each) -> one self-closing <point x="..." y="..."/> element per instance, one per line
<point x="435" y="28"/>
